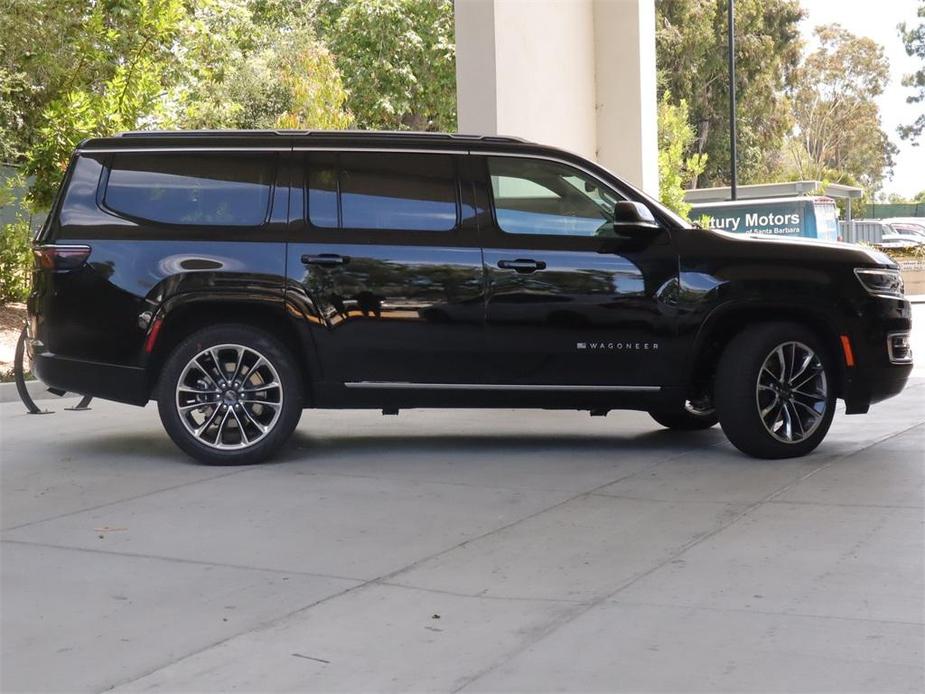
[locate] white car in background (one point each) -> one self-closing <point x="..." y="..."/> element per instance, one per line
<point x="906" y="225"/>
<point x="902" y="236"/>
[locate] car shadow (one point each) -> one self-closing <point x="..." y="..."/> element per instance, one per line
<point x="526" y="443"/>
<point x="137" y="448"/>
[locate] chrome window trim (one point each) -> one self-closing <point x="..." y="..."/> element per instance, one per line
<point x="174" y="150"/>
<point x="379" y="150"/>
<point x="405" y="385"/>
<point x="558" y="160"/>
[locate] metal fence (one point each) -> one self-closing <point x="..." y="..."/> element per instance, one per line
<point x="861" y="232"/>
<point x="881" y="210"/>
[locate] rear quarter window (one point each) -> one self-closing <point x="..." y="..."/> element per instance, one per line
<point x="195" y="189"/>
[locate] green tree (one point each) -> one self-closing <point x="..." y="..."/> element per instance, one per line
<point x="15" y="241"/>
<point x="691" y="47"/>
<point x="677" y="166"/>
<point x="140" y="54"/>
<point x="914" y="41"/>
<point x="838" y="135"/>
<point x="53" y="47"/>
<point x="254" y="64"/>
<point x="397" y="58"/>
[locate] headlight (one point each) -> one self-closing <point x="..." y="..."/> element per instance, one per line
<point x="887" y="284"/>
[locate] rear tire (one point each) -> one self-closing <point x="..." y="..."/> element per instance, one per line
<point x="775" y="391"/>
<point x="230" y="395"/>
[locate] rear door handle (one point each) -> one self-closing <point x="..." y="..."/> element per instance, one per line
<point x="326" y="259"/>
<point x="523" y="265"/>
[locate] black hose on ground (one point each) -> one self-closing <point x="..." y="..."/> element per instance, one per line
<point x="20" y="376"/>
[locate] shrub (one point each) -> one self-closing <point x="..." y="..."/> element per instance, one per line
<point x="677" y="166"/>
<point x="15" y="261"/>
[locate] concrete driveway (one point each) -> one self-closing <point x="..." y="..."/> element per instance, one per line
<point x="477" y="551"/>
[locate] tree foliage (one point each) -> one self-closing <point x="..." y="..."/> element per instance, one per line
<point x="677" y="169"/>
<point x="255" y="64"/>
<point x="914" y="41"/>
<point x="131" y="50"/>
<point x="838" y="134"/>
<point x="397" y="58"/>
<point x="72" y="69"/>
<point x="691" y="46"/>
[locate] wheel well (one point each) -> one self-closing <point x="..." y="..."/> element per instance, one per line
<point x="184" y="320"/>
<point x="725" y="328"/>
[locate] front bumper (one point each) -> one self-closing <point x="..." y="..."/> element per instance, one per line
<point x="877" y="374"/>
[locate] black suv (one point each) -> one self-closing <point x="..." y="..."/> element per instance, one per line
<point x="239" y="277"/>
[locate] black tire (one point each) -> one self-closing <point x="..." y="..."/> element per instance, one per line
<point x="685" y="420"/>
<point x="740" y="398"/>
<point x="270" y="413"/>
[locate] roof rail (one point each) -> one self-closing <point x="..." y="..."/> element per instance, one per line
<point x="397" y="134"/>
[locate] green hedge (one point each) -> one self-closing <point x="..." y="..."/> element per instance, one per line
<point x="15" y="261"/>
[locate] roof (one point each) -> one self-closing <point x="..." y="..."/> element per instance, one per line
<point x="287" y="138"/>
<point x="772" y="190"/>
<point x="397" y="134"/>
<point x="741" y="202"/>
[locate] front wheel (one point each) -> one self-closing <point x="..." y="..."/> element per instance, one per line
<point x="775" y="391"/>
<point x="230" y="395"/>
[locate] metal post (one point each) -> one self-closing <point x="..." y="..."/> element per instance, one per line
<point x="849" y="224"/>
<point x="732" y="99"/>
<point x="20" y="376"/>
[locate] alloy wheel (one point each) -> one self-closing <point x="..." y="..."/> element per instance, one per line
<point x="792" y="392"/>
<point x="229" y="396"/>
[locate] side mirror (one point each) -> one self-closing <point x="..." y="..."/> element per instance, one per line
<point x="627" y="213"/>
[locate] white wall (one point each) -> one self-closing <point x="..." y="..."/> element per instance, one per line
<point x="577" y="74"/>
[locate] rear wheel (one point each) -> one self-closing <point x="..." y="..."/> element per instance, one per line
<point x="775" y="391"/>
<point x="230" y="395"/>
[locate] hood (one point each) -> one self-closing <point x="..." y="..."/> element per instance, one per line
<point x="798" y="247"/>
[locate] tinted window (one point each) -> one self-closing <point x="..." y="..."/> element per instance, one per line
<point x="210" y="189"/>
<point x="412" y="192"/>
<point x="322" y="190"/>
<point x="532" y="196"/>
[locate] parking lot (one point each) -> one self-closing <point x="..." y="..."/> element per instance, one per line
<point x="462" y="550"/>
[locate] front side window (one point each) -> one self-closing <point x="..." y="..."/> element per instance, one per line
<point x="191" y="188"/>
<point x="383" y="191"/>
<point x="533" y="196"/>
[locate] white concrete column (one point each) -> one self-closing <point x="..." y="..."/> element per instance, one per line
<point x="625" y="84"/>
<point x="577" y="74"/>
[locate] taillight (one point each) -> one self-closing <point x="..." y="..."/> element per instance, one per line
<point x="60" y="257"/>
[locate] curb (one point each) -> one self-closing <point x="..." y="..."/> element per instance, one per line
<point x="36" y="389"/>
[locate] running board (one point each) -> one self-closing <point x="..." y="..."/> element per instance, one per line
<point x="403" y="385"/>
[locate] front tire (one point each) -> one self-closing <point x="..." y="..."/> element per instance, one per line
<point x="687" y="419"/>
<point x="230" y="395"/>
<point x="775" y="391"/>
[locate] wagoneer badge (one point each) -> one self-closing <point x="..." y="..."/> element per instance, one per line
<point x="618" y="346"/>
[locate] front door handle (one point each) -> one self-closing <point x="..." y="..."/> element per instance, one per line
<point x="522" y="265"/>
<point x="326" y="259"/>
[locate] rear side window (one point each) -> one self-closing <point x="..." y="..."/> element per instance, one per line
<point x="396" y="192"/>
<point x="191" y="189"/>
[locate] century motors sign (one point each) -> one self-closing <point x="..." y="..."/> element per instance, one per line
<point x="813" y="217"/>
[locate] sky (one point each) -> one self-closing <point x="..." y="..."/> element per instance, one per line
<point x="878" y="19"/>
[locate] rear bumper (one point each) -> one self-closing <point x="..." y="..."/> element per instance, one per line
<point x="107" y="381"/>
